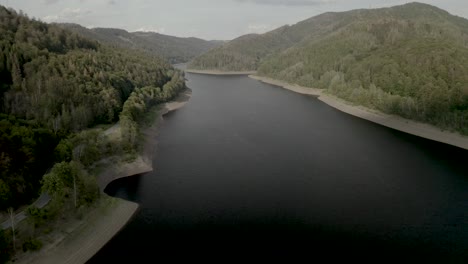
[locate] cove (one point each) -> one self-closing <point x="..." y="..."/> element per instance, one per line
<point x="249" y="170"/>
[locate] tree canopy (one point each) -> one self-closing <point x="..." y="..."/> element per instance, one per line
<point x="409" y="60"/>
<point x="55" y="84"/>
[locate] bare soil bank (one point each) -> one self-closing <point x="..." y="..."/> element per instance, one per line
<point x="84" y="238"/>
<point x="392" y="121"/>
<point x="144" y="162"/>
<point x="214" y="72"/>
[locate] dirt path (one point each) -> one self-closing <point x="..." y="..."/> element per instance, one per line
<point x="80" y="240"/>
<point x="88" y="236"/>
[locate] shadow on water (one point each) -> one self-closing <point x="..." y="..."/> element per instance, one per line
<point x="129" y="193"/>
<point x="247" y="171"/>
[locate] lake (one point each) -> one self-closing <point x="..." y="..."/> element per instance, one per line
<point x="250" y="171"/>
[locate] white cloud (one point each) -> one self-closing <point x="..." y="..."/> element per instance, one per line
<point x="160" y="30"/>
<point x="288" y="2"/>
<point x="259" y="28"/>
<point x="209" y="19"/>
<point x="49" y="2"/>
<point x="67" y="14"/>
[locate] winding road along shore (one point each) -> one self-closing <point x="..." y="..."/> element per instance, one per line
<point x="98" y="227"/>
<point x="395" y="122"/>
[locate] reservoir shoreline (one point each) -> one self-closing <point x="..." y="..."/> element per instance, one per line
<point x="395" y="122"/>
<point x="412" y="127"/>
<point x="111" y="215"/>
<point x="215" y="72"/>
<point x="254" y="167"/>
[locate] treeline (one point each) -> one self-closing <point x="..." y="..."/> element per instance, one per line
<point x="409" y="60"/>
<point x="55" y="84"/>
<point x="141" y="100"/>
<point x="26" y="152"/>
<point x="56" y="88"/>
<point x="412" y="68"/>
<point x="222" y="60"/>
<point x="244" y="53"/>
<point x="248" y="52"/>
<point x="173" y="49"/>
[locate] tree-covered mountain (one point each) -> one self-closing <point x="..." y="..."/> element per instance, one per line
<point x="55" y="84"/>
<point x="174" y="49"/>
<point x="410" y="60"/>
<point x="247" y="52"/>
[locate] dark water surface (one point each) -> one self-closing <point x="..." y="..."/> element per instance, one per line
<point x="249" y="171"/>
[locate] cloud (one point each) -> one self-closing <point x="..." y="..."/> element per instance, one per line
<point x="112" y="2"/>
<point x="259" y="28"/>
<point x="160" y="30"/>
<point x="49" y="2"/>
<point x="67" y="14"/>
<point x="288" y="2"/>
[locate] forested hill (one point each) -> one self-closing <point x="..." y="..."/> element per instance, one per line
<point x="54" y="84"/>
<point x="174" y="49"/>
<point x="410" y="60"/>
<point x="247" y="52"/>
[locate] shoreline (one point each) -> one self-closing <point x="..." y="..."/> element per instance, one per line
<point x="112" y="214"/>
<point x="81" y="239"/>
<point x="215" y="72"/>
<point x="412" y="127"/>
<point x="144" y="162"/>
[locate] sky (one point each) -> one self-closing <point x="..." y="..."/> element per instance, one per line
<point x="207" y="19"/>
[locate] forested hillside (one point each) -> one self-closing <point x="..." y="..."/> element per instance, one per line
<point x="174" y="49"/>
<point x="409" y="60"/>
<point x="247" y="52"/>
<point x="54" y="86"/>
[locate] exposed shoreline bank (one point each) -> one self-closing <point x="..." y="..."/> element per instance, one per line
<point x="395" y="122"/>
<point x="214" y="72"/>
<point x="98" y="227"/>
<point x="144" y="162"/>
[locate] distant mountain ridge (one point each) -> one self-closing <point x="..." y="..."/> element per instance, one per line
<point x="246" y="52"/>
<point x="174" y="49"/>
<point x="409" y="60"/>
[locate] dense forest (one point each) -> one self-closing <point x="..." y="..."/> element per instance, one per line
<point x="57" y="88"/>
<point x="173" y="49"/>
<point x="409" y="60"/>
<point x="54" y="86"/>
<point x="247" y="52"/>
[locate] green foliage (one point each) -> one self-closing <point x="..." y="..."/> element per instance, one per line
<point x="88" y="146"/>
<point x="59" y="180"/>
<point x="5" y="247"/>
<point x="243" y="53"/>
<point x="408" y="60"/>
<point x="248" y="52"/>
<point x="174" y="49"/>
<point x="64" y="177"/>
<point x="141" y="100"/>
<point x="413" y="67"/>
<point x="32" y="245"/>
<point x="25" y="155"/>
<point x="54" y="85"/>
<point x="64" y="150"/>
<point x="5" y="195"/>
<point x="38" y="215"/>
<point x="66" y="82"/>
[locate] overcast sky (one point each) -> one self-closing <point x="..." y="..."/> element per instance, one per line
<point x="208" y="19"/>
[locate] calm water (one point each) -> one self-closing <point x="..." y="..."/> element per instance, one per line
<point x="248" y="170"/>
